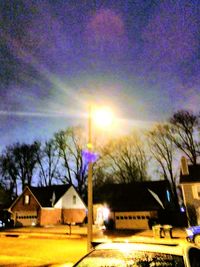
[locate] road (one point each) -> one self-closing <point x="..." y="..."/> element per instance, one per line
<point x="53" y="246"/>
<point x="22" y="251"/>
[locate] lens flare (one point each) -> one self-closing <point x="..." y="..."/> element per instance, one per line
<point x="103" y="117"/>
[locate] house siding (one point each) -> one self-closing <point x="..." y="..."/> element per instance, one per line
<point x="50" y="216"/>
<point x="20" y="205"/>
<point x="191" y="199"/>
<point x="189" y="195"/>
<point x="73" y="210"/>
<point x="73" y="215"/>
<point x="26" y="214"/>
<point x="66" y="202"/>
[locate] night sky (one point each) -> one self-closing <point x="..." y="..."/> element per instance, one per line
<point x="139" y="56"/>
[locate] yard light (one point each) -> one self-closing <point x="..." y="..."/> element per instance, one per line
<point x="101" y="117"/>
<point x="106" y="213"/>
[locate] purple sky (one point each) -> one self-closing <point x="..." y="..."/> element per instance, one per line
<point x="141" y="57"/>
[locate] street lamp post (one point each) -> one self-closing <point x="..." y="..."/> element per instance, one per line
<point x="103" y="117"/>
<point x="90" y="193"/>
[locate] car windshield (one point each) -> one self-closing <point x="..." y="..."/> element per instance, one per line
<point x="116" y="258"/>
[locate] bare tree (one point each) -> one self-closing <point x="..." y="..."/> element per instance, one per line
<point x="18" y="162"/>
<point x="70" y="144"/>
<point x="126" y="159"/>
<point x="26" y="160"/>
<point x="184" y="134"/>
<point x="8" y="172"/>
<point x="162" y="149"/>
<point x="102" y="172"/>
<point x="48" y="159"/>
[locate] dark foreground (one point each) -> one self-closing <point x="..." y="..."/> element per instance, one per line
<point x="55" y="245"/>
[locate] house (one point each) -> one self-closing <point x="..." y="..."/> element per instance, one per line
<point x="51" y="205"/>
<point x="133" y="206"/>
<point x="190" y="186"/>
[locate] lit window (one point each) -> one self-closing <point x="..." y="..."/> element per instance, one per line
<point x="168" y="196"/>
<point x="74" y="199"/>
<point x="27" y="199"/>
<point x="196" y="191"/>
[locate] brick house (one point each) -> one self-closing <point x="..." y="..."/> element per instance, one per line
<point x="135" y="205"/>
<point x="51" y="205"/>
<point x="190" y="187"/>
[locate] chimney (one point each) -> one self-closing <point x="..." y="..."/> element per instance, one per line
<point x="184" y="166"/>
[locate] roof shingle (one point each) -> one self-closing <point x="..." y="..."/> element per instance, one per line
<point x="44" y="195"/>
<point x="134" y="196"/>
<point x="193" y="176"/>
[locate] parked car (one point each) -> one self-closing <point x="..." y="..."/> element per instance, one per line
<point x="193" y="234"/>
<point x="142" y="254"/>
<point x="6" y="219"/>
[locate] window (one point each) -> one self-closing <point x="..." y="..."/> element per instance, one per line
<point x="26" y="199"/>
<point x="128" y="257"/>
<point x="168" y="196"/>
<point x="196" y="191"/>
<point x="74" y="199"/>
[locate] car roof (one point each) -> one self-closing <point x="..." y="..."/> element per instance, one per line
<point x="168" y="248"/>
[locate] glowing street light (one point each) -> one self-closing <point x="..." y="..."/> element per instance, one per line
<point x="102" y="117"/>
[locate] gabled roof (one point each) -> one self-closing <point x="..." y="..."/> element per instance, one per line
<point x="193" y="176"/>
<point x="135" y="196"/>
<point x="45" y="195"/>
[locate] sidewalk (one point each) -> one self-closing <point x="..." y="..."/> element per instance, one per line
<point x="176" y="233"/>
<point x="64" y="231"/>
<point x="60" y="231"/>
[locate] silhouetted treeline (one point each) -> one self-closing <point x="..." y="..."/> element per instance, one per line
<point x="144" y="155"/>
